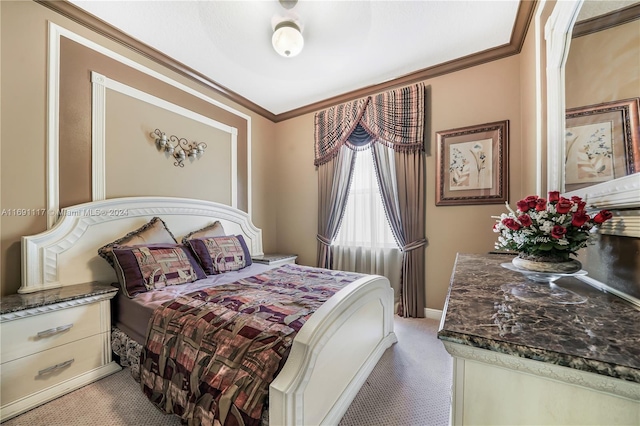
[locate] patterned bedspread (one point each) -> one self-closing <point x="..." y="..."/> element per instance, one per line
<point x="210" y="355"/>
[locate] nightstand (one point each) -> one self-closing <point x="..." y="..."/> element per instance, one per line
<point x="275" y="259"/>
<point x="53" y="342"/>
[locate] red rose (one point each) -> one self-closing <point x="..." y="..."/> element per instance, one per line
<point x="603" y="216"/>
<point x="581" y="206"/>
<point x="579" y="218"/>
<point x="563" y="206"/>
<point x="576" y="199"/>
<point x="531" y="200"/>
<point x="511" y="224"/>
<point x="554" y="196"/>
<point x="541" y="204"/>
<point x="558" y="231"/>
<point x="523" y="206"/>
<point x="525" y="220"/>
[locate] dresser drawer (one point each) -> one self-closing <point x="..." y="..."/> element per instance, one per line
<point x="33" y="373"/>
<point x="29" y="335"/>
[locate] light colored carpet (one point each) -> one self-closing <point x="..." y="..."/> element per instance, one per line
<point x="410" y="386"/>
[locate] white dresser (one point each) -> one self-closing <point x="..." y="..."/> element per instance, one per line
<point x="528" y="353"/>
<point x="53" y="342"/>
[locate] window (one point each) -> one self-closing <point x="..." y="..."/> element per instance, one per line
<point x="364" y="223"/>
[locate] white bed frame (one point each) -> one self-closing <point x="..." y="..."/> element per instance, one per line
<point x="332" y="355"/>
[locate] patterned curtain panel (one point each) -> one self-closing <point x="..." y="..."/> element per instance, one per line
<point x="334" y="180"/>
<point x="333" y="127"/>
<point x="401" y="176"/>
<point x="394" y="118"/>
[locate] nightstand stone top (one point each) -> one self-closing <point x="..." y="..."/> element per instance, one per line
<point x="21" y="302"/>
<point x="270" y="258"/>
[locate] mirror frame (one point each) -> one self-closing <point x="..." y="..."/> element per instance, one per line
<point x="620" y="193"/>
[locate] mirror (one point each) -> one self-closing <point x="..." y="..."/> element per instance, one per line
<point x="602" y="88"/>
<point x="621" y="188"/>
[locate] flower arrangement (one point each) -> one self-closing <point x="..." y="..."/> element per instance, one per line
<point x="548" y="230"/>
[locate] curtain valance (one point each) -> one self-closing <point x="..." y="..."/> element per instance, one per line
<point x="394" y="118"/>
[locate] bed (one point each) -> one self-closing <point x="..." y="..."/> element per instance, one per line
<point x="317" y="382"/>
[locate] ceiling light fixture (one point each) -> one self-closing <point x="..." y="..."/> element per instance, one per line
<point x="287" y="39"/>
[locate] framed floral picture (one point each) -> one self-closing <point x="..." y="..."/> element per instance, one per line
<point x="473" y="165"/>
<point x="601" y="143"/>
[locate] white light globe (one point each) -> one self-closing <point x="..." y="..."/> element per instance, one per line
<point x="287" y="39"/>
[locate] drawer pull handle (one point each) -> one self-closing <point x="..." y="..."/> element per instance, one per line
<point x="55" y="330"/>
<point x="55" y="367"/>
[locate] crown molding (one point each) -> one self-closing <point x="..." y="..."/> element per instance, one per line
<point x="73" y="12"/>
<point x="518" y="34"/>
<point x="523" y="19"/>
<point x="606" y="21"/>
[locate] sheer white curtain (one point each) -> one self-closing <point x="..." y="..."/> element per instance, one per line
<point x="365" y="243"/>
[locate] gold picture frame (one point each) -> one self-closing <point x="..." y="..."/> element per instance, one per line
<point x="473" y="165"/>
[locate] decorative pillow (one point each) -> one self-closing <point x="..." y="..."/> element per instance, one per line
<point x="153" y="232"/>
<point x="213" y="230"/>
<point x="144" y="268"/>
<point x="221" y="254"/>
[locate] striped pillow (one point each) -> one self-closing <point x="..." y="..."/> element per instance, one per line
<point x="221" y="254"/>
<point x="144" y="268"/>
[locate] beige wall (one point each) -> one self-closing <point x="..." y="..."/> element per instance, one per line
<point x="133" y="163"/>
<point x="297" y="194"/>
<point x="24" y="37"/>
<point x="482" y="94"/>
<point x="604" y="66"/>
<point x="283" y="176"/>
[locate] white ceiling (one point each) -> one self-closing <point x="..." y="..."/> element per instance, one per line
<point x="349" y="45"/>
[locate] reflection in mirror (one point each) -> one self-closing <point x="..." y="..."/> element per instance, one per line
<point x="602" y="83"/>
<point x="612" y="262"/>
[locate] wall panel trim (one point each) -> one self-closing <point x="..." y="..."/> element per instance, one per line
<point x="53" y="99"/>
<point x="98" y="137"/>
<point x="100" y="84"/>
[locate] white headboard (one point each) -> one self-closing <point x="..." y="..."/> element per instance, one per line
<point x="67" y="254"/>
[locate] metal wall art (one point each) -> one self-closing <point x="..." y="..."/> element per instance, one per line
<point x="179" y="148"/>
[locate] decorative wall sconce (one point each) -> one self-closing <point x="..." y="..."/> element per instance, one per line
<point x="179" y="148"/>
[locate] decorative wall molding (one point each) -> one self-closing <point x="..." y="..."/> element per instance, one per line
<point x="625" y="223"/>
<point x="53" y="113"/>
<point x="523" y="19"/>
<point x="98" y="137"/>
<point x="100" y="84"/>
<point x="53" y="128"/>
<point x="568" y="375"/>
<point x="606" y="21"/>
<point x="621" y="193"/>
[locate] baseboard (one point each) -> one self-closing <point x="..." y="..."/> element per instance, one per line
<point x="435" y="314"/>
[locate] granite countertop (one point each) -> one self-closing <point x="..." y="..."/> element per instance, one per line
<point x="20" y="302"/>
<point x="494" y="308"/>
